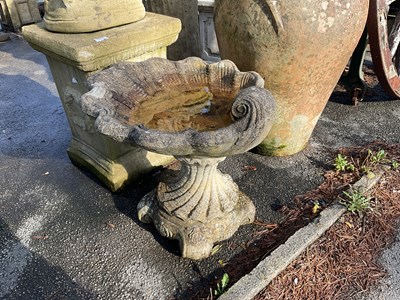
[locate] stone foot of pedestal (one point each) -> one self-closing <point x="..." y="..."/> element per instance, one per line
<point x="196" y="239"/>
<point x="199" y="208"/>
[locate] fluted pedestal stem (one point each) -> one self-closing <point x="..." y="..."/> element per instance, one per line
<point x="199" y="208"/>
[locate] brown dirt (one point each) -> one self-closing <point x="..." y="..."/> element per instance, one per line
<point x="344" y="261"/>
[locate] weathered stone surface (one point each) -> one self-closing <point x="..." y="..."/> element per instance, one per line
<point x="208" y="38"/>
<point x="300" y="48"/>
<point x="19" y="13"/>
<point x="128" y="89"/>
<point x="4" y="36"/>
<point x="95" y="51"/>
<point x="188" y="43"/>
<point x="170" y="108"/>
<point x="72" y="16"/>
<point x="72" y="58"/>
<point x="200" y="207"/>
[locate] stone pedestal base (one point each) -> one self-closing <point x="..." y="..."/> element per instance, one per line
<point x="16" y="13"/>
<point x="200" y="207"/>
<point x="119" y="170"/>
<point x="73" y="58"/>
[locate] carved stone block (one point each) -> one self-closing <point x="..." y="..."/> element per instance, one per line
<point x="73" y="58"/>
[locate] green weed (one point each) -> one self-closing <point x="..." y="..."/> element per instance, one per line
<point x="342" y="164"/>
<point x="395" y="164"/>
<point x="356" y="202"/>
<point x="222" y="287"/>
<point x="372" y="160"/>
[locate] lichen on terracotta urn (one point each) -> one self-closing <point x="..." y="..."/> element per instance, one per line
<point x="200" y="113"/>
<point x="300" y="48"/>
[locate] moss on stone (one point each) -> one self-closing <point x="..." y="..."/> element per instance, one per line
<point x="268" y="148"/>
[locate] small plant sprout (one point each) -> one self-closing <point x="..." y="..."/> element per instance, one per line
<point x="341" y="163"/>
<point x="356" y="202"/>
<point x="395" y="164"/>
<point x="222" y="286"/>
<point x="372" y="160"/>
<point x="376" y="157"/>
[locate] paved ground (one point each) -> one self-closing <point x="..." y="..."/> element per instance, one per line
<point x="63" y="235"/>
<point x="390" y="287"/>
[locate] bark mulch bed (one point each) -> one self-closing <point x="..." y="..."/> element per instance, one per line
<point x="344" y="261"/>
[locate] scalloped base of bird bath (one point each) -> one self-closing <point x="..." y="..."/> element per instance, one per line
<point x="200" y="207"/>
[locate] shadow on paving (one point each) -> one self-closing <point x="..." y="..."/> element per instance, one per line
<point x="24" y="133"/>
<point x="26" y="275"/>
<point x="127" y="199"/>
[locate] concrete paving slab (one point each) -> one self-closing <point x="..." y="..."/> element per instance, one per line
<point x="65" y="236"/>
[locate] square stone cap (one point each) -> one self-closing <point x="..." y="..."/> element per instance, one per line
<point x="97" y="50"/>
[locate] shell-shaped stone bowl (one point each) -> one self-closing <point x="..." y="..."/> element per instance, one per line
<point x="181" y="108"/>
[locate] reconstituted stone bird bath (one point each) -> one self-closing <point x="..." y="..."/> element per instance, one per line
<point x="199" y="113"/>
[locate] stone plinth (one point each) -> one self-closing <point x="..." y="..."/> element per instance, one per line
<point x="72" y="58"/>
<point x="16" y="13"/>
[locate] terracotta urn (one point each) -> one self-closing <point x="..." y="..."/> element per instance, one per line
<point x="73" y="16"/>
<point x="200" y="113"/>
<point x="300" y="48"/>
